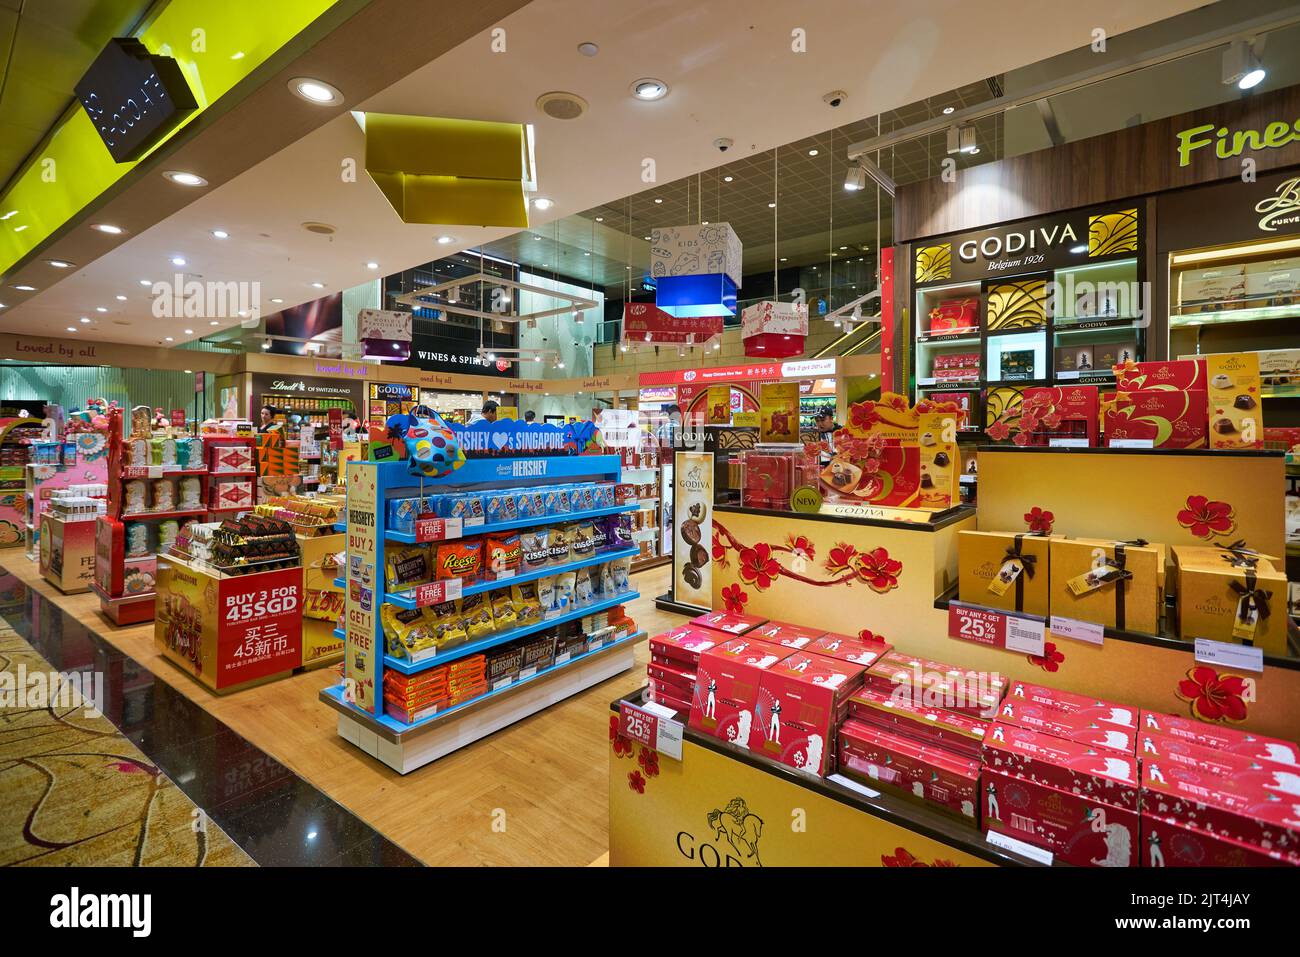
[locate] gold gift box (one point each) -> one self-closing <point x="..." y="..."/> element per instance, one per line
<point x="1211" y="582"/>
<point x="980" y="557"/>
<point x="1073" y="558"/>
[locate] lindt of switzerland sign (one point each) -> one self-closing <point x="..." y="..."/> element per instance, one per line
<point x="646" y="322"/>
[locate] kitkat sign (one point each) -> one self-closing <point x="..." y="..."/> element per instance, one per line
<point x="646" y="322"/>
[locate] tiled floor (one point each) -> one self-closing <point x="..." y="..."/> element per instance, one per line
<point x="123" y="788"/>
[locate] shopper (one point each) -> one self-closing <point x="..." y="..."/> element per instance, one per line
<point x="530" y="415"/>
<point x="269" y="422"/>
<point x="669" y="433"/>
<point x="488" y="413"/>
<point x="826" y="429"/>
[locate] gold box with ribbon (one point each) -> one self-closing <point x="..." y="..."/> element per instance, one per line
<point x="1116" y="584"/>
<point x="1006" y="570"/>
<point x="1230" y="593"/>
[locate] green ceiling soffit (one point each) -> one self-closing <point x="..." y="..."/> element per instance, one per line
<point x="74" y="167"/>
<point x="451" y="172"/>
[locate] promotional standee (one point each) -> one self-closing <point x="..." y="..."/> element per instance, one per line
<point x="1096" y="672"/>
<point x="479" y="591"/>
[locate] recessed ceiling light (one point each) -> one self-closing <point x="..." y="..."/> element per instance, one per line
<point x="315" y="91"/>
<point x="120" y="298"/>
<point x="178" y="260"/>
<point x="588" y="48"/>
<point x="783" y="259"/>
<point x="771" y="205"/>
<point x="220" y="234"/>
<point x="214" y="322"/>
<point x="72" y="328"/>
<point x="184" y="178"/>
<point x="85" y="321"/>
<point x="318" y="285"/>
<point x="100" y="309"/>
<point x="649" y="88"/>
<point x="59" y="263"/>
<point x="189" y="332"/>
<point x="169" y="339"/>
<point x="844" y="247"/>
<point x="658" y="200"/>
<point x="600" y="219"/>
<point x="588" y="254"/>
<point x="446" y="240"/>
<point x="647" y="237"/>
<point x="189" y="372"/>
<point x="542" y="203"/>
<point x="812" y="152"/>
<point x="372" y="265"/>
<point x="947" y="110"/>
<point x="146" y="282"/>
<point x="277" y="300"/>
<point x="108" y="228"/>
<point x="25" y="288"/>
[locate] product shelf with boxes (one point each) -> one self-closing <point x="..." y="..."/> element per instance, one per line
<point x="460" y="616"/>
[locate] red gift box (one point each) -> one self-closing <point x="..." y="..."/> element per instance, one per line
<point x="726" y="688"/>
<point x="954" y="315"/>
<point x="1092" y="727"/>
<point x="934" y="684"/>
<point x="798" y="703"/>
<point x="1069" y="411"/>
<point x="1253" y="812"/>
<point x="859" y="651"/>
<point x="1172" y="374"/>
<point x="1168" y="843"/>
<point x="932" y="774"/>
<point x="727" y="622"/>
<point x="1079" y="830"/>
<point x="1169" y="419"/>
<point x="683" y="645"/>
<point x="1222" y="738"/>
<point x="1046" y="759"/>
<point x="934" y="727"/>
<point x="783" y="633"/>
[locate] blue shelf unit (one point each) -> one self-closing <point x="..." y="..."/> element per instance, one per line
<point x="394" y="480"/>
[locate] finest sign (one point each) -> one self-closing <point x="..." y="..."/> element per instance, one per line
<point x="134" y="98"/>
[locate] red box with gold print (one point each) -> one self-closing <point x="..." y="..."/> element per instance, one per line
<point x="1174" y="374"/>
<point x="1222" y="738"/>
<point x="1259" y="811"/>
<point x="1169" y="843"/>
<point x="1168" y="419"/>
<point x="879" y="757"/>
<point x="797" y="710"/>
<point x="1077" y="829"/>
<point x="1061" y="412"/>
<point x="726" y="688"/>
<point x="1069" y="765"/>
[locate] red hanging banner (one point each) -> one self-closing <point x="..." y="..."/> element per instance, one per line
<point x="646" y="322"/>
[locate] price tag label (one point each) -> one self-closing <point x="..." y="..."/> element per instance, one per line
<point x="1132" y="443"/>
<point x="659" y="733"/>
<point x="1022" y="848"/>
<point x="1227" y="655"/>
<point x="1068" y="443"/>
<point x="502" y="683"/>
<point x="1090" y="631"/>
<point x="135" y="472"/>
<point x="527" y="672"/>
<point x="435" y="593"/>
<point x="563" y="658"/>
<point x="430" y="529"/>
<point x="994" y="628"/>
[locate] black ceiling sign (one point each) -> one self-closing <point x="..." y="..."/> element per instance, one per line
<point x="133" y="97"/>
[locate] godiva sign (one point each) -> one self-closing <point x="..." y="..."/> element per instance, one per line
<point x="1230" y="143"/>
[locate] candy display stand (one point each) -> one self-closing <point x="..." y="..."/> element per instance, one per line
<point x="14" y="433"/>
<point x="362" y="718"/>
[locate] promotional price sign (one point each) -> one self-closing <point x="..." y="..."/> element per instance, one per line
<point x="359" y="665"/>
<point x="178" y="418"/>
<point x="435" y="593"/>
<point x="996" y="629"/>
<point x="259" y="629"/>
<point x="336" y="428"/>
<point x="431" y="529"/>
<point x="661" y="734"/>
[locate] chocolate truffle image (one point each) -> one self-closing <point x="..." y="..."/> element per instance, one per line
<point x="941" y="459"/>
<point x="1243" y="401"/>
<point x="1224" y="425"/>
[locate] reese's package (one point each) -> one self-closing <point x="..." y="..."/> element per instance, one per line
<point x="460" y="558"/>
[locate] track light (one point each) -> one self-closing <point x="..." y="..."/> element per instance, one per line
<point x="1242" y="65"/>
<point x="961" y="139"/>
<point x="856" y="178"/>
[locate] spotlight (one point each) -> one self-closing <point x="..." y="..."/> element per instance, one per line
<point x="961" y="139"/>
<point x="855" y="179"/>
<point x="1241" y="65"/>
<point x="315" y="91"/>
<point x="185" y="178"/>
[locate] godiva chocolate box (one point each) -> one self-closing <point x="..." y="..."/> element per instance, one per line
<point x="1077" y="829"/>
<point x="1060" y="763"/>
<point x="1112" y="583"/>
<point x="858" y="651"/>
<point x="784" y="633"/>
<point x="1007" y="570"/>
<point x="1169" y="374"/>
<point x="910" y="769"/>
<point x="1236" y="417"/>
<point x="796" y="714"/>
<point x="1230" y="596"/>
<point x="1222" y="738"/>
<point x="1168" y="843"/>
<point x="726" y="688"/>
<point x="1167" y="418"/>
<point x="1244" y="810"/>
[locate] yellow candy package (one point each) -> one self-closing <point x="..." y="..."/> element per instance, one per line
<point x="408" y="566"/>
<point x="476" y="616"/>
<point x="406" y="630"/>
<point x="503" y="609"/>
<point x="527" y="605"/>
<point x="448" y="628"/>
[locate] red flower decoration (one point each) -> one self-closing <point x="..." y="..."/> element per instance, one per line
<point x="863" y="416"/>
<point x="1050" y="659"/>
<point x="758" y="567"/>
<point x="1040" y="521"/>
<point x="734" y="598"/>
<point x="623" y="746"/>
<point x="636" y="782"/>
<point x="1052" y="420"/>
<point x="1021" y="439"/>
<point x="840" y="556"/>
<point x="1205" y="518"/>
<point x="613" y="726"/>
<point x="998" y="431"/>
<point x="1028" y="420"/>
<point x="802" y="547"/>
<point x="878" y="570"/>
<point x="867" y="634"/>
<point x="1214" y="697"/>
<point x="649" y="761"/>
<point x="720" y="552"/>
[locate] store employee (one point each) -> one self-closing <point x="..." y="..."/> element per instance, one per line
<point x="268" y="422"/>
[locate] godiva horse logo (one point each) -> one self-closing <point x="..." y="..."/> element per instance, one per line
<point x="741" y="828"/>
<point x="1281" y="208"/>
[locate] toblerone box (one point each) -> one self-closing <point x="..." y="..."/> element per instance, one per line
<point x="1224" y="595"/>
<point x="1222" y="738"/>
<point x="986" y="576"/>
<point x="1236" y="416"/>
<point x="1084" y="585"/>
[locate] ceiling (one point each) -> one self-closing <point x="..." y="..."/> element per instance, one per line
<point x="45" y="47"/>
<point x="732" y="74"/>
